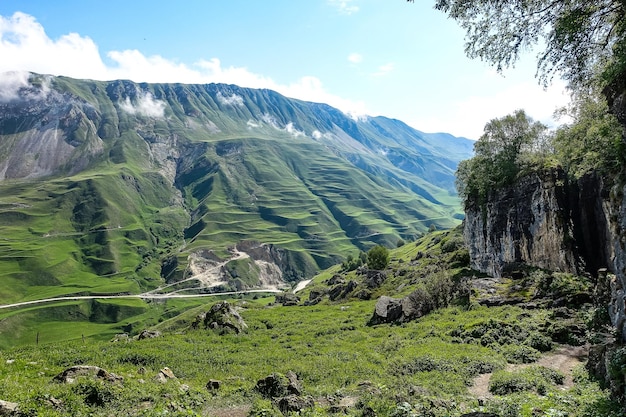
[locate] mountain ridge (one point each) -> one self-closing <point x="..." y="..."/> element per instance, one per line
<point x="130" y="179"/>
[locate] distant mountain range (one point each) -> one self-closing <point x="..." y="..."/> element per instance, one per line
<point x="117" y="186"/>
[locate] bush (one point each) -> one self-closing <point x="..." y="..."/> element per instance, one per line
<point x="378" y="257"/>
<point x="520" y="353"/>
<point x="534" y="378"/>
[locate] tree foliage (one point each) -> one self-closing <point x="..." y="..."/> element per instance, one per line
<point x="593" y="140"/>
<point x="378" y="257"/>
<point x="507" y="146"/>
<point x="579" y="37"/>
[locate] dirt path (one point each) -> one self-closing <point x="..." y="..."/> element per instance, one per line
<point x="564" y="360"/>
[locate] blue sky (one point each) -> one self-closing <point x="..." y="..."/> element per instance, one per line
<point x="375" y="57"/>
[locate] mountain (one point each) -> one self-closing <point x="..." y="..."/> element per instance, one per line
<point x="113" y="187"/>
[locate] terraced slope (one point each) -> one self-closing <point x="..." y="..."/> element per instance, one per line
<point x="115" y="186"/>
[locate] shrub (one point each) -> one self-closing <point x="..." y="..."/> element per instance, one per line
<point x="520" y="353"/>
<point x="534" y="378"/>
<point x="378" y="257"/>
<point x="452" y="244"/>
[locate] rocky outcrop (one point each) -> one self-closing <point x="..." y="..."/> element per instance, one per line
<point x="547" y="221"/>
<point x="278" y="385"/>
<point x="221" y="316"/>
<point x="70" y="374"/>
<point x="529" y="222"/>
<point x="8" y="408"/>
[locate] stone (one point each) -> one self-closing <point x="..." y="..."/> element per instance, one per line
<point x="70" y="374"/>
<point x="295" y="385"/>
<point x="387" y="310"/>
<point x="341" y="291"/>
<point x="336" y="280"/>
<point x="8" y="408"/>
<point x="278" y="385"/>
<point x="148" y="334"/>
<point x="294" y="404"/>
<point x="223" y="316"/>
<point x="374" y="279"/>
<point x="287" y="299"/>
<point x="213" y="385"/>
<point x="164" y="375"/>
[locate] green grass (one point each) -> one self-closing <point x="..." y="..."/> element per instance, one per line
<point x="329" y="346"/>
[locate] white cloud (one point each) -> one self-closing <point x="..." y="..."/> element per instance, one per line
<point x="24" y="46"/>
<point x="355" y="58"/>
<point x="11" y="83"/>
<point x="344" y="6"/>
<point x="316" y="134"/>
<point x="384" y="69"/>
<point x="17" y="84"/>
<point x="289" y="128"/>
<point x="252" y="124"/>
<point x="234" y="100"/>
<point x="469" y="116"/>
<point x="145" y="105"/>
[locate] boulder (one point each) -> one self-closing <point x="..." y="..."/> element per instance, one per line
<point x="213" y="385"/>
<point x="8" y="408"/>
<point x="336" y="280"/>
<point x="70" y="374"/>
<point x="374" y="279"/>
<point x="294" y="404"/>
<point x="278" y="385"/>
<point x="387" y="310"/>
<point x="223" y="316"/>
<point x="164" y="375"/>
<point x="287" y="299"/>
<point x="341" y="291"/>
<point x="149" y="334"/>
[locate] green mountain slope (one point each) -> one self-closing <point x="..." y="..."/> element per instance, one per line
<point x="110" y="187"/>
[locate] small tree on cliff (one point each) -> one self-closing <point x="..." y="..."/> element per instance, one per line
<point x="504" y="149"/>
<point x="378" y="257"/>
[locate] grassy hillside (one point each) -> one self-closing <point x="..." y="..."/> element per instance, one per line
<point x="436" y="365"/>
<point x="110" y="187"/>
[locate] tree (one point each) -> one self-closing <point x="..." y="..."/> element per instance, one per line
<point x="378" y="257"/>
<point x="580" y="37"/>
<point x="593" y="140"/>
<point x="505" y="148"/>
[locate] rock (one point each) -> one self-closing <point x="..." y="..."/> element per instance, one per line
<point x="374" y="279"/>
<point x="523" y="223"/>
<point x="368" y="412"/>
<point x="121" y="337"/>
<point x="55" y="402"/>
<point x="292" y="404"/>
<point x="213" y="385"/>
<point x="295" y="385"/>
<point x="149" y="334"/>
<point x="223" y="316"/>
<point x="315" y="294"/>
<point x="164" y="375"/>
<point x="8" y="408"/>
<point x="278" y="385"/>
<point x="341" y="291"/>
<point x="336" y="280"/>
<point x="363" y="294"/>
<point x="387" y="310"/>
<point x="70" y="374"/>
<point x="287" y="299"/>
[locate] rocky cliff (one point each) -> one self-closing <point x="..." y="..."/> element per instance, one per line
<point x="547" y="221"/>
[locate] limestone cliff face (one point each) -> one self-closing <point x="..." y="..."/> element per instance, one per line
<point x="546" y="221"/>
<point x="529" y="222"/>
